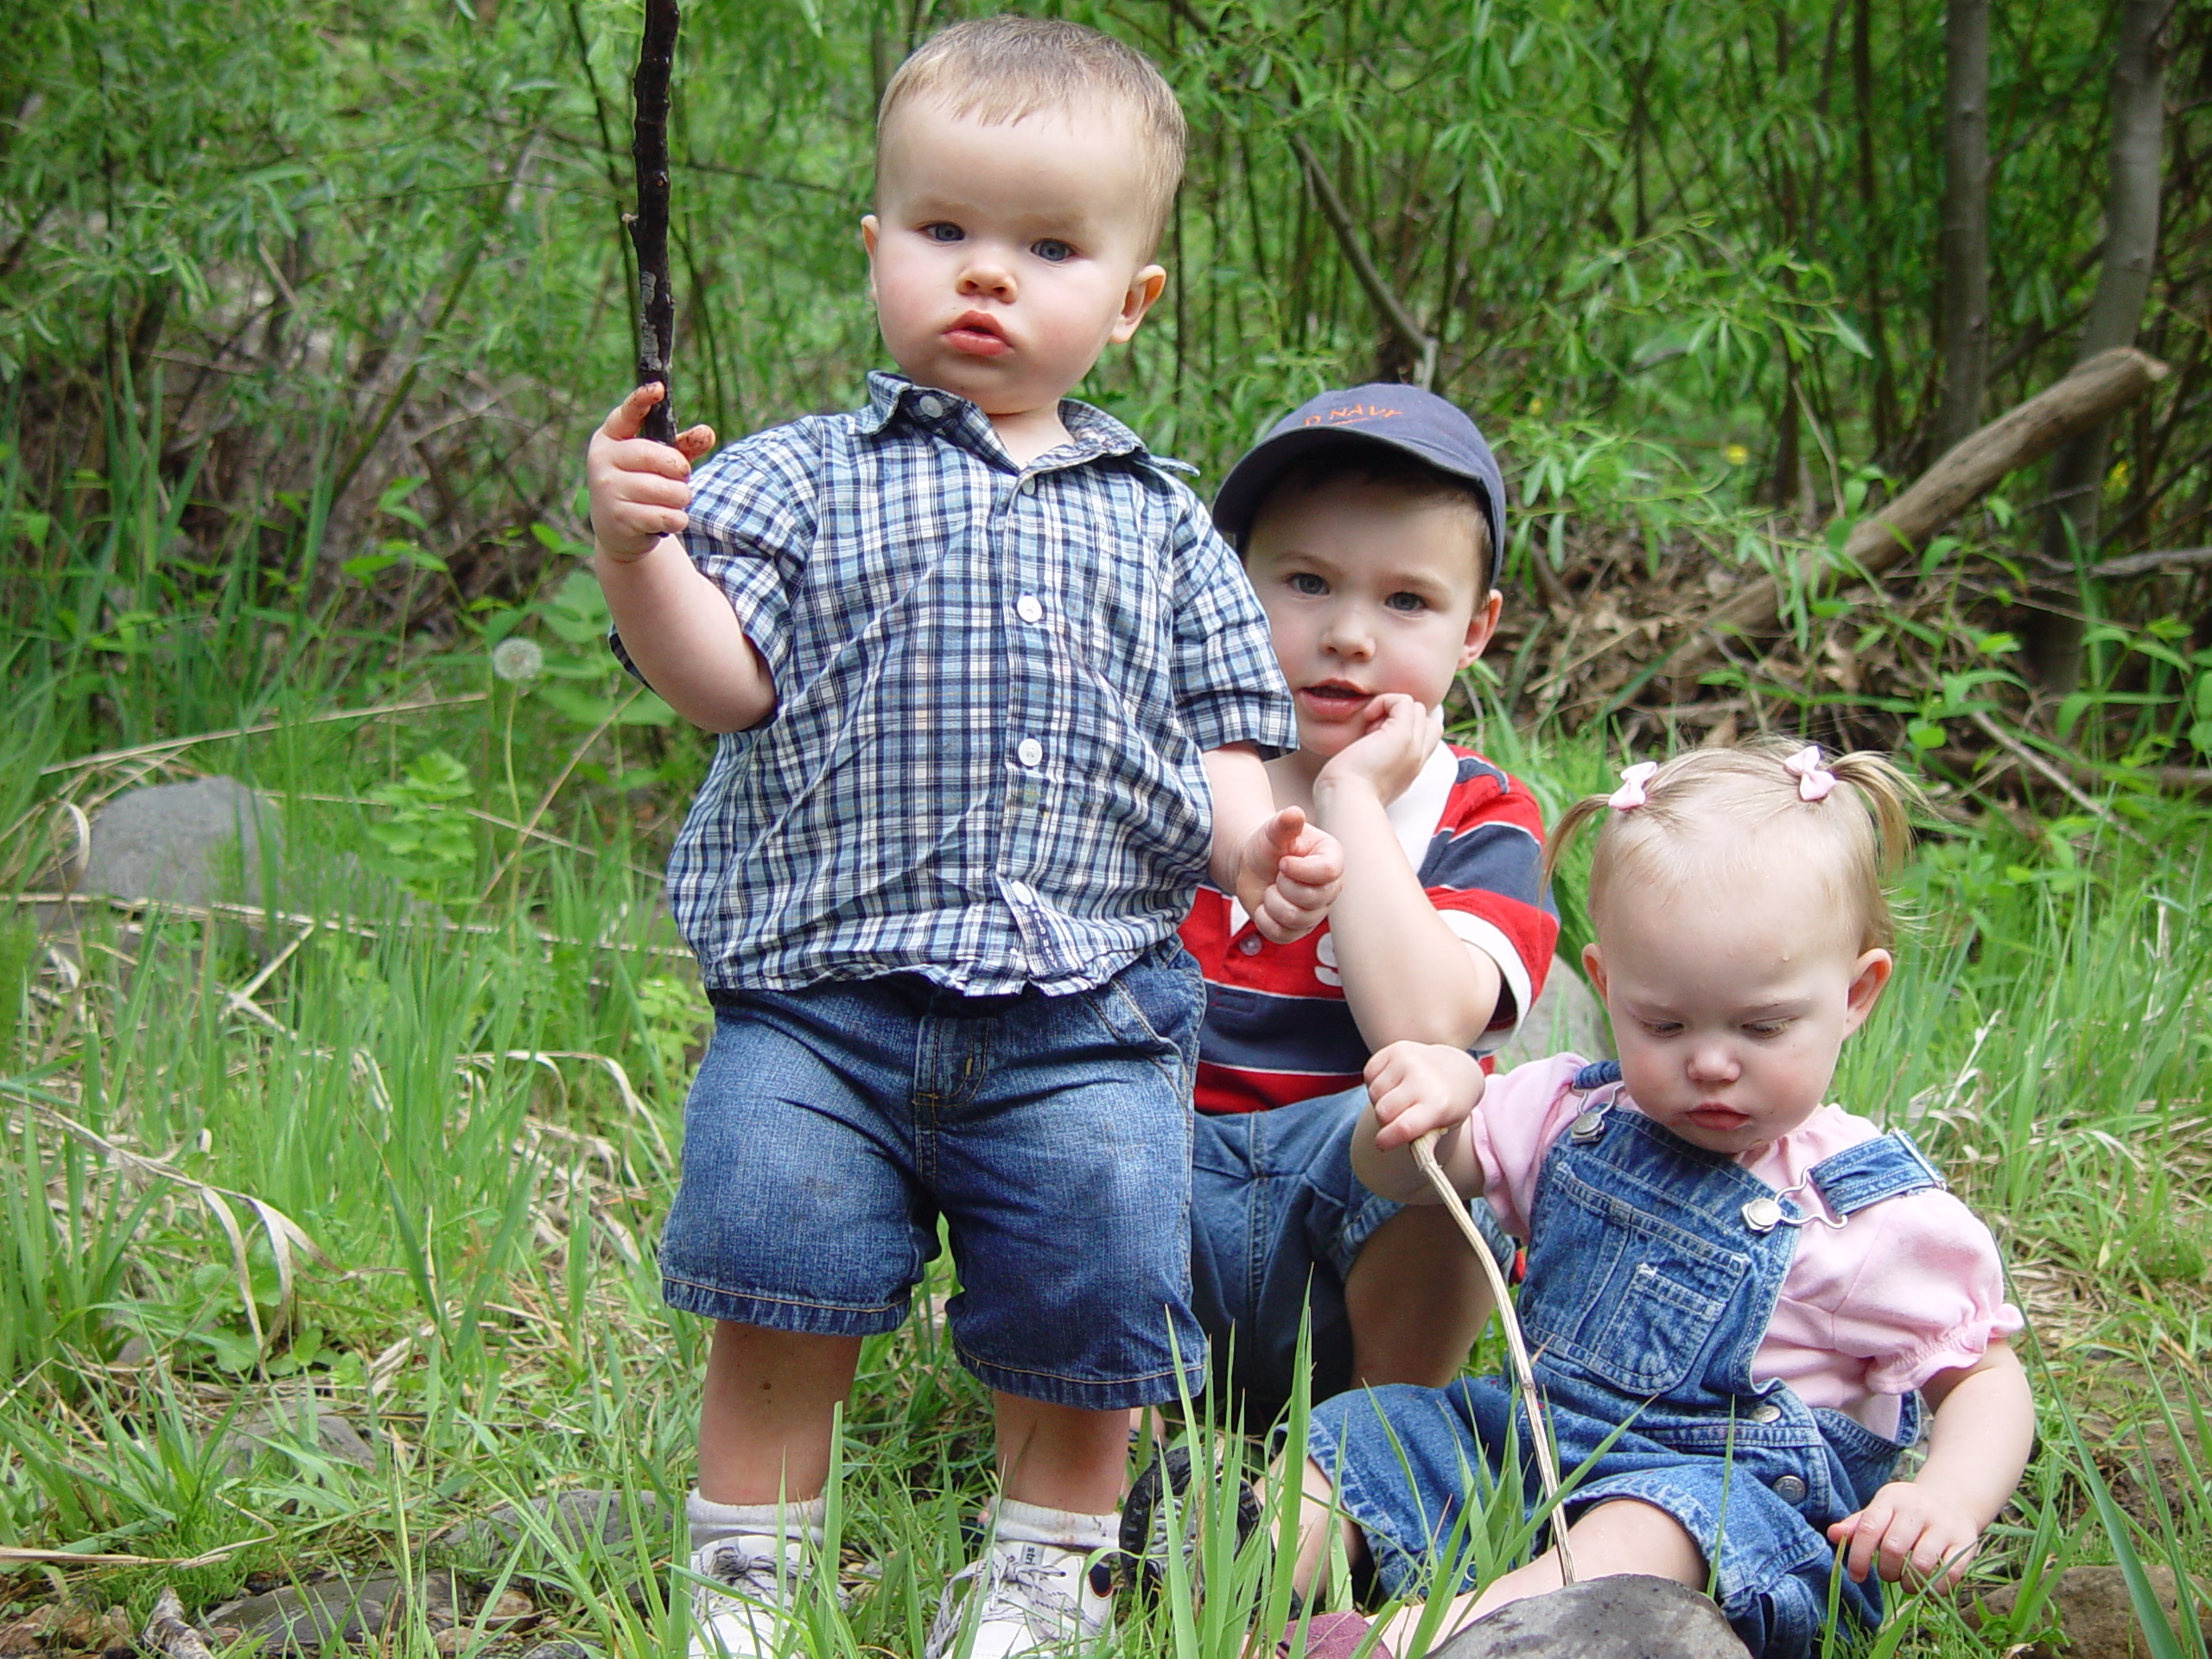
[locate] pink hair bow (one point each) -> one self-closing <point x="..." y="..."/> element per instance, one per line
<point x="1814" y="781"/>
<point x="1633" y="779"/>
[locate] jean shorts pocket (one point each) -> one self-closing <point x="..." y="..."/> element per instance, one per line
<point x="1154" y="1005"/>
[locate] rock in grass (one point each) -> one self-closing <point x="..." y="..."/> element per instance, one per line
<point x="1624" y="1618"/>
<point x="306" y="1618"/>
<point x="1566" y="1018"/>
<point x="277" y="1424"/>
<point x="590" y="1522"/>
<point x="2095" y="1617"/>
<point x="187" y="843"/>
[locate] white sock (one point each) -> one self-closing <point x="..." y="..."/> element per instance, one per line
<point x="711" y="1522"/>
<point x="1032" y="1523"/>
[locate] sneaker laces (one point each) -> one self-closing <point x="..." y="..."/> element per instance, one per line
<point x="1043" y="1596"/>
<point x="1034" y="1591"/>
<point x="755" y="1568"/>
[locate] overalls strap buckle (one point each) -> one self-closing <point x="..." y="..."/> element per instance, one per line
<point x="1590" y="1122"/>
<point x="1887" y="1166"/>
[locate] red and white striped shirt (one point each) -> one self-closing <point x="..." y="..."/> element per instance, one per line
<point x="1277" y="1027"/>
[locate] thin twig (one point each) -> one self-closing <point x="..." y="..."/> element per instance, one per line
<point x="254" y="914"/>
<point x="1524" y="1375"/>
<point x="2144" y="564"/>
<point x="648" y="227"/>
<point x="171" y="745"/>
<point x="552" y="790"/>
<point x="2096" y="809"/>
<point x="78" y="1558"/>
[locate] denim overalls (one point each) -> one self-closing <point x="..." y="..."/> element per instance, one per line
<point x="1654" y="1267"/>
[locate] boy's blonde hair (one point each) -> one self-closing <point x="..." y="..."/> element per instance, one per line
<point x="1000" y="69"/>
<point x="1849" y="841"/>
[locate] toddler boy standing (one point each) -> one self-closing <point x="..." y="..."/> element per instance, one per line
<point x="994" y="696"/>
<point x="1372" y="524"/>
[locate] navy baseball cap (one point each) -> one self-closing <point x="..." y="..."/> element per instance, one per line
<point x="1419" y="423"/>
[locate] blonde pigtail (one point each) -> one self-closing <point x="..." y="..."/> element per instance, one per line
<point x="1891" y="799"/>
<point x="1572" y="822"/>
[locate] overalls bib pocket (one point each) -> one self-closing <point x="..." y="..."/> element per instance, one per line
<point x="1645" y="1299"/>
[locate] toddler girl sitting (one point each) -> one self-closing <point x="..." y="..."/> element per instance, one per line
<point x="1757" y="1290"/>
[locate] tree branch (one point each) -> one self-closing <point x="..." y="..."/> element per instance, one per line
<point x="648" y="226"/>
<point x="1418" y="342"/>
<point x="2096" y="390"/>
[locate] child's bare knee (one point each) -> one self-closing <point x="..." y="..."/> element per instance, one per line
<point x="1320" y="1521"/>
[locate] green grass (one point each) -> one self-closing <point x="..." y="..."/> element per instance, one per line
<point x="460" y="1082"/>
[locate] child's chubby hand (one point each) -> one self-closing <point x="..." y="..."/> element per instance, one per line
<point x="639" y="489"/>
<point x="1416" y="1088"/>
<point x="1288" y="874"/>
<point x="1908" y="1532"/>
<point x="1401" y="733"/>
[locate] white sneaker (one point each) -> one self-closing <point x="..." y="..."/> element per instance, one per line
<point x="1036" y="1598"/>
<point x="743" y="1610"/>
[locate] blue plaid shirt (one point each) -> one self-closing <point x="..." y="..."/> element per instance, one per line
<point x="995" y="685"/>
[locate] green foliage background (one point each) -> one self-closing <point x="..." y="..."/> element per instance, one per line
<point x="305" y="310"/>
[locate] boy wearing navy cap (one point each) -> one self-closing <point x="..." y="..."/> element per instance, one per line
<point x="1371" y="523"/>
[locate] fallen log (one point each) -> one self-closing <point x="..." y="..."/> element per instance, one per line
<point x="2092" y="392"/>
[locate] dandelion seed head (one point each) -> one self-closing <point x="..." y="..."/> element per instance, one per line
<point x="517" y="660"/>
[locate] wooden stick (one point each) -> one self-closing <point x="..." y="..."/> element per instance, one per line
<point x="10" y="1554"/>
<point x="2144" y="564"/>
<point x="169" y="1632"/>
<point x="2092" y="393"/>
<point x="1524" y="1375"/>
<point x="648" y="226"/>
<point x="171" y="745"/>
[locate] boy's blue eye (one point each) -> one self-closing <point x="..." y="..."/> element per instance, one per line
<point x="1402" y="602"/>
<point x="1307" y="583"/>
<point x="1052" y="249"/>
<point x="942" y="232"/>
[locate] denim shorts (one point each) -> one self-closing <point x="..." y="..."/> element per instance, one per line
<point x="1277" y="1218"/>
<point x="829" y="1128"/>
<point x="1405" y="1461"/>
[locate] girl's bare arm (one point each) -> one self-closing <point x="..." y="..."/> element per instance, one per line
<point x="1929" y="1527"/>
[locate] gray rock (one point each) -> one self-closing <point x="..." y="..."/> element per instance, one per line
<point x="186" y="844"/>
<point x="561" y="1651"/>
<point x="1566" y="1018"/>
<point x="1621" y="1618"/>
<point x="589" y="1521"/>
<point x="308" y="1617"/>
<point x="301" y="1422"/>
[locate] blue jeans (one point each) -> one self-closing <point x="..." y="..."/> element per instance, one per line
<point x="1651" y="1278"/>
<point x="1277" y="1218"/>
<point x="829" y="1128"/>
